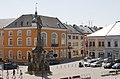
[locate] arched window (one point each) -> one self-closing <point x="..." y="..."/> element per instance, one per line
<point x="19" y="54"/>
<point x="10" y="54"/>
<point x="54" y="38"/>
<point x="28" y="41"/>
<point x="63" y="39"/>
<point x="44" y="39"/>
<point x="19" y="41"/>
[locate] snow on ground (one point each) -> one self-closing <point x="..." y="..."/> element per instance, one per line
<point x="66" y="70"/>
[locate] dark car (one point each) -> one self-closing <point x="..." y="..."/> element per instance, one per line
<point x="80" y="64"/>
<point x="109" y="65"/>
<point x="54" y="61"/>
<point x="9" y="66"/>
<point x="116" y="66"/>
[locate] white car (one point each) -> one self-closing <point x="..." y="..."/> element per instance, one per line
<point x="96" y="64"/>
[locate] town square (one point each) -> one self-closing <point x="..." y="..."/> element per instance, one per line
<point x="59" y="39"/>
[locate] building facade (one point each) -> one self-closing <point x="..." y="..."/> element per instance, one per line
<point x="20" y="38"/>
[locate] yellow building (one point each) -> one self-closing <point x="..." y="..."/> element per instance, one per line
<point x="20" y="37"/>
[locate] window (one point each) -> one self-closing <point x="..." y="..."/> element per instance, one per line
<point x="115" y="43"/>
<point x="90" y="43"/>
<point x="19" y="41"/>
<point x="2" y="33"/>
<point x="93" y="43"/>
<point x="35" y="41"/>
<point x="69" y="43"/>
<point x="27" y="23"/>
<point x="54" y="38"/>
<point x="82" y="37"/>
<point x="10" y="54"/>
<point x="44" y="39"/>
<point x="63" y="39"/>
<point x="75" y="43"/>
<point x="99" y="43"/>
<point x="21" y="23"/>
<point x="10" y="41"/>
<point x="73" y="37"/>
<point x="76" y="37"/>
<point x="109" y="44"/>
<point x="28" y="41"/>
<point x="19" y="54"/>
<point x="10" y="33"/>
<point x="28" y="32"/>
<point x="19" y="32"/>
<point x="69" y="36"/>
<point x="102" y="43"/>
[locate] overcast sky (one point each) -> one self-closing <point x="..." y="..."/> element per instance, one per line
<point x="100" y="12"/>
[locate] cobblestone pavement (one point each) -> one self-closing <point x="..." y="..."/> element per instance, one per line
<point x="66" y="70"/>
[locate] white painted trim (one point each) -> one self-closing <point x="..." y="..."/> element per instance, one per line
<point x="44" y="28"/>
<point x="32" y="47"/>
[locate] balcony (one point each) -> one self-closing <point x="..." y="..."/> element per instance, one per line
<point x="54" y="45"/>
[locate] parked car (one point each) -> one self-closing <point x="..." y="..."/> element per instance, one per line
<point x="10" y="65"/>
<point x="87" y="64"/>
<point x="96" y="64"/>
<point x="80" y="64"/>
<point x="116" y="66"/>
<point x="109" y="65"/>
<point x="117" y="60"/>
<point x="54" y="61"/>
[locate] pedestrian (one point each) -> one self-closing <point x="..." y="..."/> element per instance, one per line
<point x="17" y="69"/>
<point x="7" y="76"/>
<point x="21" y="74"/>
<point x="13" y="77"/>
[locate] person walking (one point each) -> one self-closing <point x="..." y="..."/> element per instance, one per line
<point x="17" y="69"/>
<point x="13" y="77"/>
<point x="21" y="75"/>
<point x="7" y="76"/>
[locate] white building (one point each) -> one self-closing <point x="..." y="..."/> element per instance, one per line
<point x="96" y="42"/>
<point x="112" y="41"/>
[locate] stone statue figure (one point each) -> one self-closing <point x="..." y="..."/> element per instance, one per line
<point x="29" y="57"/>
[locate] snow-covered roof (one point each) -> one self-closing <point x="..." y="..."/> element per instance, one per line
<point x="102" y="32"/>
<point x="115" y="30"/>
